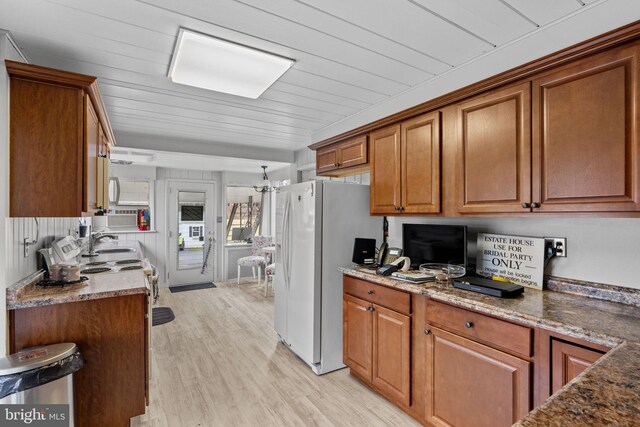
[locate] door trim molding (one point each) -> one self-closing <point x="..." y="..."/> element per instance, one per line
<point x="217" y="247"/>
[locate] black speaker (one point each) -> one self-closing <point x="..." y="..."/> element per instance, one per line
<point x="364" y="251"/>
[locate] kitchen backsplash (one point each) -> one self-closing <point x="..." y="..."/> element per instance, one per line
<point x="18" y="229"/>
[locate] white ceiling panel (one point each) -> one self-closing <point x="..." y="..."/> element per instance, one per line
<point x="544" y="11"/>
<point x="351" y="56"/>
<point x="491" y="20"/>
<point x="410" y="25"/>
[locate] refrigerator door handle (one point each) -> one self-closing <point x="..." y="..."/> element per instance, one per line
<point x="285" y="243"/>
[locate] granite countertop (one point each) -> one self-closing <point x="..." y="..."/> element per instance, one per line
<point x="26" y="293"/>
<point x="587" y="400"/>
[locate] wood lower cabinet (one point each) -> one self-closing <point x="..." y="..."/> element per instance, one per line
<point x="494" y="153"/>
<point x="343" y="158"/>
<point x="112" y="334"/>
<point x="391" y="353"/>
<point x="357" y="336"/>
<point x="377" y="340"/>
<point x="470" y="384"/>
<point x="585" y="135"/>
<point x="568" y="361"/>
<point x="55" y="122"/>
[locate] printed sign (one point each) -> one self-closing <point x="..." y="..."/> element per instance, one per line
<point x="516" y="258"/>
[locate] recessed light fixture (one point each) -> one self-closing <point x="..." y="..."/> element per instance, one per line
<point x="211" y="63"/>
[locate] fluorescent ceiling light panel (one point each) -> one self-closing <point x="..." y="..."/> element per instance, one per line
<point x="207" y="62"/>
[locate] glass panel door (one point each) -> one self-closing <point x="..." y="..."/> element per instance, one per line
<point x="191" y="229"/>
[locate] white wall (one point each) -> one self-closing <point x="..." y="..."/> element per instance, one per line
<point x="598" y="249"/>
<point x="19" y="266"/>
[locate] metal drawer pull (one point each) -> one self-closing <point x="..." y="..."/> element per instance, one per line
<point x="427" y="331"/>
<point x="369" y="292"/>
<point x="468" y="324"/>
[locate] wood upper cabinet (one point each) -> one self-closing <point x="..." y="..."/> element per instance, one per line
<point x="385" y="184"/>
<point x="55" y="122"/>
<point x="405" y="167"/>
<point x="326" y="159"/>
<point x="470" y="384"/>
<point x="92" y="145"/>
<point x="568" y="361"/>
<point x="494" y="153"/>
<point x="392" y="354"/>
<point x="343" y="158"/>
<point x="420" y="165"/>
<point x="585" y="135"/>
<point x="357" y="336"/>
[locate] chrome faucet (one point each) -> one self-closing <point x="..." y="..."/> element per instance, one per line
<point x="94" y="238"/>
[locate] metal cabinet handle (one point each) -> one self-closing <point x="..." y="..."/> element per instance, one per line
<point x="468" y="324"/>
<point x="371" y="308"/>
<point x="369" y="292"/>
<point x="427" y="331"/>
<point x="526" y="205"/>
<point x="535" y="205"/>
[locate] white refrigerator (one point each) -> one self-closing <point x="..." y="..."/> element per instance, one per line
<point x="316" y="224"/>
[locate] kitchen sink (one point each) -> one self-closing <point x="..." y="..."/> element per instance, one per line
<point x="114" y="250"/>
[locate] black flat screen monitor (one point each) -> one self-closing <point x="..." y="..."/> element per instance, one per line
<point x="424" y="243"/>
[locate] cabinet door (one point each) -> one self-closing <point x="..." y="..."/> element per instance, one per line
<point x="494" y="155"/>
<point x="585" y="135"/>
<point x="469" y="384"/>
<point x="45" y="150"/>
<point x="385" y="170"/>
<point x="327" y="159"/>
<point x="91" y="147"/>
<point x="568" y="361"/>
<point x="353" y="152"/>
<point x="392" y="354"/>
<point x="420" y="166"/>
<point x="357" y="335"/>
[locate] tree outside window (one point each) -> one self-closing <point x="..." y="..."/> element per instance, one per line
<point x="244" y="214"/>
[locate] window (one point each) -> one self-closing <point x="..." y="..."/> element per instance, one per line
<point x="245" y="216"/>
<point x="196" y="231"/>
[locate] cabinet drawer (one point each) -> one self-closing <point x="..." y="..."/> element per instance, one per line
<point x="496" y="332"/>
<point x="395" y="300"/>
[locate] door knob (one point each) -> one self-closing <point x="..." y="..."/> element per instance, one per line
<point x="526" y="205"/>
<point x="468" y="324"/>
<point x="535" y="205"/>
<point x="369" y="292"/>
<point x="427" y="331"/>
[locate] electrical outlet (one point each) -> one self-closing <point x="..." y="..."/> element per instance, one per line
<point x="560" y="243"/>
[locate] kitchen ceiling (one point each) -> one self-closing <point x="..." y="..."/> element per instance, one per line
<point x="350" y="55"/>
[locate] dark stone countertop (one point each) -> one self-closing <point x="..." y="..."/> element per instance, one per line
<point x="608" y="393"/>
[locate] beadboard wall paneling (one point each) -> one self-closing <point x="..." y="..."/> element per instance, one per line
<point x="18" y="229"/>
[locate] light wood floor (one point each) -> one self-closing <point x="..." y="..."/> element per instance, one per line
<point x="219" y="364"/>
